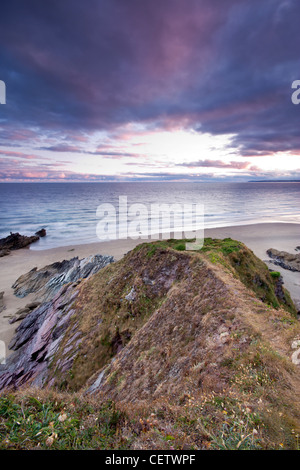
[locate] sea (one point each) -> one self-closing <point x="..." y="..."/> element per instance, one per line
<point x="78" y="213"/>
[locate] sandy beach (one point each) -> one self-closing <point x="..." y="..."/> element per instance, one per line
<point x="258" y="237"/>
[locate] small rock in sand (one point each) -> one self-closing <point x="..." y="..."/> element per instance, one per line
<point x="2" y="306"/>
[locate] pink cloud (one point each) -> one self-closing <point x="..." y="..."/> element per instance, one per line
<point x="215" y="164"/>
<point x="9" y="153"/>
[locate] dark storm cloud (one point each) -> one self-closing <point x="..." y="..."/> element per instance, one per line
<point x="218" y="66"/>
<point x="99" y="63"/>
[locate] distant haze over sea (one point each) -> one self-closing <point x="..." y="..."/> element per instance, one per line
<point x="68" y="210"/>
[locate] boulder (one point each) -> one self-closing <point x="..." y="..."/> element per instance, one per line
<point x="284" y="259"/>
<point x="41" y="233"/>
<point x="15" y="241"/>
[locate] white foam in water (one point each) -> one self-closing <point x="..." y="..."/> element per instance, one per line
<point x="68" y="211"/>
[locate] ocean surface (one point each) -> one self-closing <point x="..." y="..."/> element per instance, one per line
<point x="68" y="211"/>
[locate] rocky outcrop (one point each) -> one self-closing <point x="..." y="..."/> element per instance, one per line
<point x="46" y="282"/>
<point x="177" y="337"/>
<point x="284" y="259"/>
<point x="4" y="252"/>
<point x="44" y="322"/>
<point x="36" y="341"/>
<point x="15" y="241"/>
<point x="41" y="233"/>
<point x="279" y="292"/>
<point x="23" y="312"/>
<point x="137" y="329"/>
<point x="2" y="305"/>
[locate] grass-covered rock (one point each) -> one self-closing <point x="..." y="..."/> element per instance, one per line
<point x="165" y="349"/>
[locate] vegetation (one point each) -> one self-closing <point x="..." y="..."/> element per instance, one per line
<point x="204" y="345"/>
<point x="247" y="267"/>
<point x="59" y="422"/>
<point x="275" y="274"/>
<point x="39" y="419"/>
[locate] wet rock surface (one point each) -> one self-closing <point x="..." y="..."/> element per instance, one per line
<point x="41" y="233"/>
<point x="15" y="241"/>
<point x="284" y="259"/>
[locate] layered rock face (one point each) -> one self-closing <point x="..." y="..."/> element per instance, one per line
<point x="148" y="325"/>
<point x="36" y="340"/>
<point x="46" y="319"/>
<point x="181" y="340"/>
<point x="2" y="305"/>
<point x="285" y="260"/>
<point x="46" y="282"/>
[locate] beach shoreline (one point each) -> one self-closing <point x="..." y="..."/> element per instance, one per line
<point x="258" y="237"/>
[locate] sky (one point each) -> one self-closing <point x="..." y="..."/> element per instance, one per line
<point x="144" y="90"/>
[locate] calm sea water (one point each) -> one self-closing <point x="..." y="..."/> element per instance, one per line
<point x="68" y="210"/>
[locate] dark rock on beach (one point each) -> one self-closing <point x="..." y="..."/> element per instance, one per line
<point x="41" y="233"/>
<point x="4" y="252"/>
<point x="284" y="259"/>
<point x="15" y="241"/>
<point x="2" y="306"/>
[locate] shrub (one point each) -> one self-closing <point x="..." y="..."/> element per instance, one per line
<point x="275" y="274"/>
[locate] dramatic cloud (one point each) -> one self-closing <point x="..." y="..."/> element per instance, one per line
<point x="216" y="164"/>
<point x="75" y="69"/>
